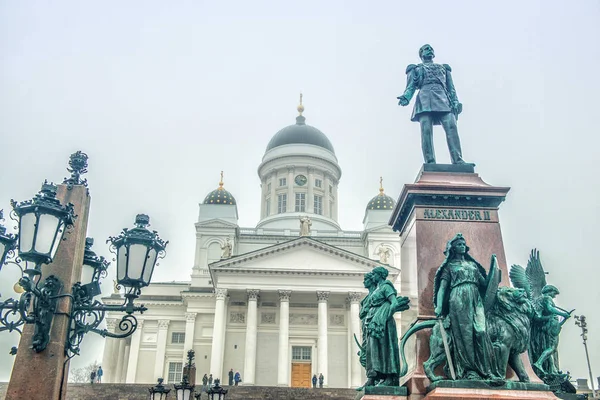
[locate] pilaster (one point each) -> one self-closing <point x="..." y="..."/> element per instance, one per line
<point x="283" y="372"/>
<point x="161" y="347"/>
<point x="251" y="337"/>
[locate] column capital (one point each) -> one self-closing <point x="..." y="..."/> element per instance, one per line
<point x="322" y="296"/>
<point x="291" y="168"/>
<point x="190" y="316"/>
<point x="284" y="295"/>
<point x="163" y="323"/>
<point x="111" y="324"/>
<point x="354" y="297"/>
<point x="252" y="294"/>
<point x="220" y="294"/>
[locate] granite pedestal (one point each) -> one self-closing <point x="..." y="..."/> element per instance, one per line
<point x="443" y="201"/>
<point x="481" y="390"/>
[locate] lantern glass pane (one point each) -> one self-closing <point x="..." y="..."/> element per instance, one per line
<point x="26" y="232"/>
<point x="137" y="260"/>
<point x="2" y="249"/>
<point x="121" y="263"/>
<point x="149" y="266"/>
<point x="87" y="273"/>
<point x="59" y="236"/>
<point x="46" y="233"/>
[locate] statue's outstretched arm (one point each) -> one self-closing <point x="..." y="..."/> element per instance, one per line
<point x="411" y="85"/>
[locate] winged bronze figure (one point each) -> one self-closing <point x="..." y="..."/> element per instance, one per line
<point x="547" y="318"/>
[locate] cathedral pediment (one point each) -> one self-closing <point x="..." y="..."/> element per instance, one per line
<point x="215" y="223"/>
<point x="294" y="262"/>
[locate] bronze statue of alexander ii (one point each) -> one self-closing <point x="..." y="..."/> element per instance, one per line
<point x="436" y="103"/>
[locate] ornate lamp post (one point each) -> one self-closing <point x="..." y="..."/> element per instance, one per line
<point x="217" y="390"/>
<point x="582" y="323"/>
<point x="54" y="300"/>
<point x="159" y="392"/>
<point x="184" y="390"/>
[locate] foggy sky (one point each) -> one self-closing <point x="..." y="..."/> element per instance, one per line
<point x="162" y="96"/>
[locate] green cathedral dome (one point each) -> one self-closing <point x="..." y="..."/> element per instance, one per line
<point x="220" y="195"/>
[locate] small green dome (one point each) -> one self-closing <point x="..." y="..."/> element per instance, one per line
<point x="381" y="201"/>
<point x="220" y="196"/>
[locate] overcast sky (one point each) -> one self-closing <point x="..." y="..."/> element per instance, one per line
<point x="163" y="95"/>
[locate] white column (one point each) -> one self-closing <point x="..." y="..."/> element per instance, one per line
<point x="273" y="180"/>
<point x="322" y="357"/>
<point x="161" y="347"/>
<point x="218" y="340"/>
<point x="283" y="373"/>
<point x="354" y="327"/>
<point x="116" y="378"/>
<point x="190" y="327"/>
<point x="134" y="352"/>
<point x="291" y="201"/>
<point x="108" y="358"/>
<point x="251" y="336"/>
<point x="326" y="200"/>
<point x="126" y="361"/>
<point x="310" y="201"/>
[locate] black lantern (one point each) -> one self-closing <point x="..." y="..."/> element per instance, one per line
<point x="8" y="242"/>
<point x="159" y="392"/>
<point x="94" y="268"/>
<point x="42" y="223"/>
<point x="137" y="251"/>
<point x="185" y="391"/>
<point x="217" y="392"/>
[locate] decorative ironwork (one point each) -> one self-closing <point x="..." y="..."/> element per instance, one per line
<point x="216" y="390"/>
<point x="8" y="242"/>
<point x="77" y="167"/>
<point x="159" y="392"/>
<point x="185" y="390"/>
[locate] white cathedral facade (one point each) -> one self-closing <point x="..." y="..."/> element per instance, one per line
<point x="278" y="302"/>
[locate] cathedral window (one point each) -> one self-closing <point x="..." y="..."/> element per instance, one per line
<point x="318" y="183"/>
<point x="330" y="189"/>
<point x="331" y="209"/>
<point x="300" y="202"/>
<point x="269" y="187"/>
<point x="281" y="203"/>
<point x="175" y="372"/>
<point x="282" y="182"/>
<point x="301" y="353"/>
<point x="319" y="205"/>
<point x="178" y="337"/>
<point x="268" y="210"/>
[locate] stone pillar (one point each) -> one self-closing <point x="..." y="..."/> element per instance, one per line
<point x="283" y="373"/>
<point x="48" y="367"/>
<point x="322" y="356"/>
<point x="354" y="327"/>
<point x="273" y="180"/>
<point x="218" y="339"/>
<point x="118" y="375"/>
<point x="291" y="202"/>
<point x="126" y="361"/>
<point x="161" y="347"/>
<point x="190" y="328"/>
<point x="310" y="201"/>
<point x="108" y="358"/>
<point x="134" y="352"/>
<point x="326" y="200"/>
<point x="251" y="336"/>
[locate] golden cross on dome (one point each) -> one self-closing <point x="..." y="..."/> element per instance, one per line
<point x="300" y="106"/>
<point x="221" y="182"/>
<point x="381" y="185"/>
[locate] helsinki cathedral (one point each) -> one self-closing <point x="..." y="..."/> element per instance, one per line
<point x="278" y="302"/>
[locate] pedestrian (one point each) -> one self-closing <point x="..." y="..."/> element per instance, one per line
<point x="204" y="383"/>
<point x="237" y="378"/>
<point x="210" y="380"/>
<point x="99" y="374"/>
<point x="231" y="377"/>
<point x="314" y="381"/>
<point x="321" y="380"/>
<point x="92" y="376"/>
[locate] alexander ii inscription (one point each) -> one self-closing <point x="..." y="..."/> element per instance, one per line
<point x="457" y="214"/>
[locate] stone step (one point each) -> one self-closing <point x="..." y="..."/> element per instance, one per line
<point x="113" y="391"/>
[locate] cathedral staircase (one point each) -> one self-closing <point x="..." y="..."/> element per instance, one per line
<point x="114" y="391"/>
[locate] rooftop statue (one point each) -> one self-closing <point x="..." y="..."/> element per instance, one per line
<point x="305" y="224"/>
<point x="436" y="103"/>
<point x="548" y="318"/>
<point x="379" y="349"/>
<point x="226" y="249"/>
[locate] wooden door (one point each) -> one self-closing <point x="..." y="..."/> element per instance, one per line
<point x="301" y="375"/>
